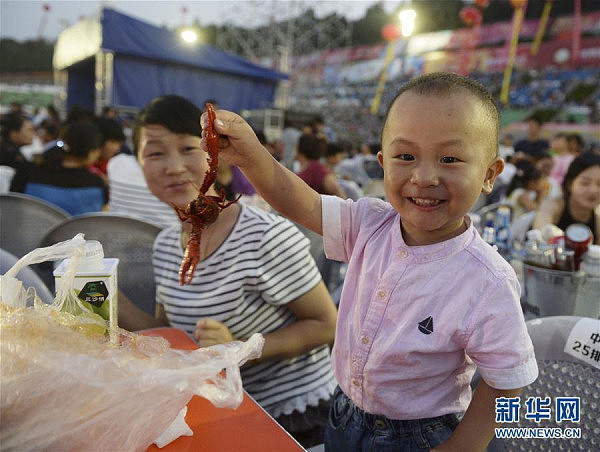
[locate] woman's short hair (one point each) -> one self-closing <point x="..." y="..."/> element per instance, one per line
<point x="310" y="147"/>
<point x="174" y="113"/>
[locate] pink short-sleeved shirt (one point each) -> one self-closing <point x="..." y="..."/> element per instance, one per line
<point x="415" y="321"/>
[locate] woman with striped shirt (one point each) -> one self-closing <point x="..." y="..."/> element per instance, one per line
<point x="255" y="275"/>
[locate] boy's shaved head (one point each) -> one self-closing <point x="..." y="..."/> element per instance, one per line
<point x="446" y="84"/>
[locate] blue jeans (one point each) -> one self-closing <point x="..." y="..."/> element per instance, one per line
<point x="351" y="429"/>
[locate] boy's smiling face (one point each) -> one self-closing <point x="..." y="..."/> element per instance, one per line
<point x="437" y="158"/>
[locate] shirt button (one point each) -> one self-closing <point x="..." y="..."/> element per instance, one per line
<point x="381" y="293"/>
<point x="365" y="340"/>
<point x="355" y="382"/>
<point x="403" y="253"/>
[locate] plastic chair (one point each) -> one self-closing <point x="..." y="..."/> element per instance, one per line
<point x="24" y="220"/>
<point x="351" y="189"/>
<point x="6" y="176"/>
<point x="561" y="375"/>
<point x="27" y="276"/>
<point x="373" y="169"/>
<point x="125" y="237"/>
<point x="375" y="189"/>
<point x="330" y="270"/>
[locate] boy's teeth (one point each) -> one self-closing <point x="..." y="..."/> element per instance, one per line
<point x="425" y="202"/>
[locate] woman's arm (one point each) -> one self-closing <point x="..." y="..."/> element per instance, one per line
<point x="316" y="316"/>
<point x="477" y="426"/>
<point x="526" y="202"/>
<point x="132" y="318"/>
<point x="314" y="326"/>
<point x="548" y="213"/>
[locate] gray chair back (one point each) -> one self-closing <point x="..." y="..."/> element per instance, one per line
<point x="24" y="220"/>
<point x="127" y="238"/>
<point x="27" y="276"/>
<point x="561" y="375"/>
<point x="373" y="169"/>
<point x="330" y="270"/>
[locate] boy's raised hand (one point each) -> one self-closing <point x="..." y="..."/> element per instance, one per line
<point x="238" y="144"/>
<point x="282" y="189"/>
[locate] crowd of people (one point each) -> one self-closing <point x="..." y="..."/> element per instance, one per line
<point x="559" y="179"/>
<point x="395" y="210"/>
<point x="348" y="107"/>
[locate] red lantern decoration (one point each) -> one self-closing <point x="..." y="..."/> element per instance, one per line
<point x="482" y="3"/>
<point x="518" y="3"/>
<point x="470" y="15"/>
<point x="391" y="32"/>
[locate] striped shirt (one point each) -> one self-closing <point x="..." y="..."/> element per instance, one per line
<point x="129" y="193"/>
<point x="261" y="266"/>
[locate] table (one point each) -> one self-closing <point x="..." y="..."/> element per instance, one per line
<point x="248" y="428"/>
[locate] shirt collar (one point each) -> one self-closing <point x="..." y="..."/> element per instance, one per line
<point x="435" y="251"/>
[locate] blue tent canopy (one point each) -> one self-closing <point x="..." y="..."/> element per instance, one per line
<point x="147" y="61"/>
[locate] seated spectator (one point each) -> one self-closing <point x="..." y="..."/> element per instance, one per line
<point x="63" y="178"/>
<point x="526" y="189"/>
<point x="575" y="144"/>
<point x="580" y="202"/>
<point x="312" y="171"/>
<point x="506" y="149"/>
<point x="113" y="138"/>
<point x="333" y="156"/>
<point x="562" y="157"/>
<point x="533" y="145"/>
<point x="17" y="131"/>
<point x="129" y="193"/>
<point x="545" y="163"/>
<point x="48" y="133"/>
<point x="255" y="275"/>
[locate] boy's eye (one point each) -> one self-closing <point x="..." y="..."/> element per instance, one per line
<point x="407" y="157"/>
<point x="191" y="149"/>
<point x="449" y="160"/>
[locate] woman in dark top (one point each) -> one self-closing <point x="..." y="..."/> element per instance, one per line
<point x="63" y="178"/>
<point x="581" y="197"/>
<point x="17" y="131"/>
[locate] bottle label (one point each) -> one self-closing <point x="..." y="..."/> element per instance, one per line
<point x="94" y="292"/>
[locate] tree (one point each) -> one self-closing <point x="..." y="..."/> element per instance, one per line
<point x="28" y="56"/>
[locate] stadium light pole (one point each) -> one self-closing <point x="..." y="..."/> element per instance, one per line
<point x="407" y="27"/>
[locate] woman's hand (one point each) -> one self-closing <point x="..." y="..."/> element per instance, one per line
<point x="211" y="332"/>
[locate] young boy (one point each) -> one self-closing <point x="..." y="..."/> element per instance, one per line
<point x="425" y="299"/>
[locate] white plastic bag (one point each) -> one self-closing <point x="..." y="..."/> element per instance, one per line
<point x="63" y="387"/>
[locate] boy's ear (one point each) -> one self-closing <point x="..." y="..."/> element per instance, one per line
<point x="380" y="158"/>
<point x="493" y="171"/>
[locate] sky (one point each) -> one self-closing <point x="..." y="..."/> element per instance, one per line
<point x="26" y="19"/>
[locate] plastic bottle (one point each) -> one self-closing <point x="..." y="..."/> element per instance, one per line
<point x="591" y="262"/>
<point x="489" y="233"/>
<point x="503" y="231"/>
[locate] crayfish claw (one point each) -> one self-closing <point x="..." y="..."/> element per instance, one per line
<point x="188" y="266"/>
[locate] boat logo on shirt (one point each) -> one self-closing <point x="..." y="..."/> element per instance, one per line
<point x="426" y="326"/>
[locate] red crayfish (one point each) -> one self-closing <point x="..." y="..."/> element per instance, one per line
<point x="204" y="210"/>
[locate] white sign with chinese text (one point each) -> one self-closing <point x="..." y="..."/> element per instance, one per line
<point x="584" y="342"/>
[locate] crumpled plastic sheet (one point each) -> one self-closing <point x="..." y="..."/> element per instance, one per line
<point x="63" y="388"/>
